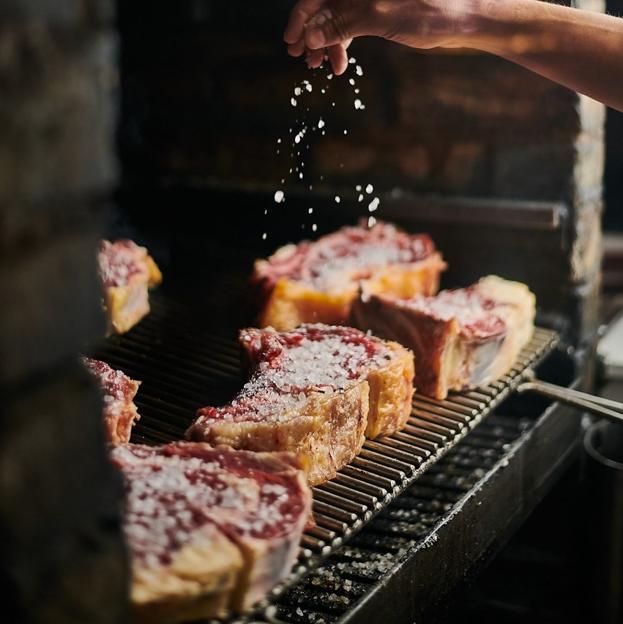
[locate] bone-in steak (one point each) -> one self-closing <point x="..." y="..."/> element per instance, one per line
<point x="209" y="529"/>
<point x="461" y="338"/>
<point x="126" y="272"/>
<point x="313" y="391"/>
<point x="318" y="281"/>
<point x="118" y="392"/>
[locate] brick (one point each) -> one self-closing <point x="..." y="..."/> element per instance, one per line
<point x="586" y="249"/>
<point x="588" y="169"/>
<point x="51" y="303"/>
<point x="464" y="165"/>
<point x="538" y="170"/>
<point x="60" y="505"/>
<point x="479" y="97"/>
<point x="66" y="13"/>
<point x="584" y="309"/>
<point x="57" y="122"/>
<point x="343" y="157"/>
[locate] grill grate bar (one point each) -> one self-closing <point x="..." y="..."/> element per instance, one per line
<point x="183" y="368"/>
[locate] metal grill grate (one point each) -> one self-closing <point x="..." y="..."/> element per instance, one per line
<point x="183" y="367"/>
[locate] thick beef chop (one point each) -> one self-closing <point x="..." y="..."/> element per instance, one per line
<point x="461" y="338"/>
<point x="316" y="282"/>
<point x="209" y="529"/>
<point x="314" y="391"/>
<point x="126" y="272"/>
<point x="118" y="392"/>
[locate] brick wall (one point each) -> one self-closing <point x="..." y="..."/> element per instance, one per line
<point x="63" y="558"/>
<point x="207" y="90"/>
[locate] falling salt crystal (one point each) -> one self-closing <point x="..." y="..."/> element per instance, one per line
<point x="358" y="104"/>
<point x="369" y="189"/>
<point x="266" y="211"/>
<point x="310" y="210"/>
<point x="332" y="103"/>
<point x="358" y="187"/>
<point x="314" y="227"/>
<point x="352" y="81"/>
<point x="301" y="175"/>
<point x="360" y="198"/>
<point x="358" y="70"/>
<point x="337" y="199"/>
<point x="279" y="195"/>
<point x="345" y="131"/>
<point x="356" y="90"/>
<point x="311" y="186"/>
<point x="264" y="236"/>
<point x="322" y="91"/>
<point x="374" y="204"/>
<point x="283" y="180"/>
<point x="308" y="87"/>
<point x="329" y="76"/>
<point x="297" y="138"/>
<point x="371" y="221"/>
<point x="323" y="133"/>
<point x="352" y="60"/>
<point x="321" y="123"/>
<point x="293" y="101"/>
<point x="297" y="91"/>
<point x="278" y="140"/>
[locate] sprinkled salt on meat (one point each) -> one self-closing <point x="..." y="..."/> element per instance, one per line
<point x="350" y="253"/>
<point x="173" y="491"/>
<point x="118" y="392"/>
<point x="119" y="261"/>
<point x="290" y="365"/>
<point x="477" y="315"/>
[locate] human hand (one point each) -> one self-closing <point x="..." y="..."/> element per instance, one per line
<point x="327" y="27"/>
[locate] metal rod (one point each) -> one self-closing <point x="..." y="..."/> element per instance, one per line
<point x="582" y="400"/>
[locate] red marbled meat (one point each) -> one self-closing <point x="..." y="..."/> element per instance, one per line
<point x="316" y="282"/>
<point x="290" y="365"/>
<point x="119" y="261"/>
<point x="356" y="251"/>
<point x="461" y="338"/>
<point x="258" y="501"/>
<point x="118" y="392"/>
<point x="314" y="390"/>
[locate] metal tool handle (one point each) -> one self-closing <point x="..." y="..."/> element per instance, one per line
<point x="607" y="408"/>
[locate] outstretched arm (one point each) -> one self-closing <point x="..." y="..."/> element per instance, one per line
<point x="579" y="49"/>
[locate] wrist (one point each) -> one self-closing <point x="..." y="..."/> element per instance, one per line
<point x="497" y="27"/>
<point x="468" y="23"/>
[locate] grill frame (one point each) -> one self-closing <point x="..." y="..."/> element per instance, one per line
<point x="172" y="335"/>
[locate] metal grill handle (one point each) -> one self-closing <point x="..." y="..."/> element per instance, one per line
<point x="607" y="408"/>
